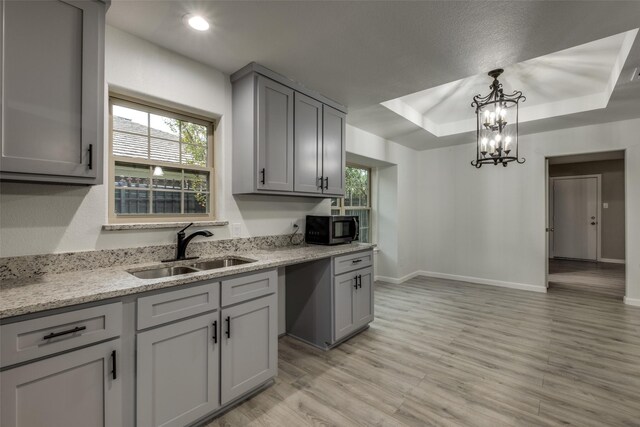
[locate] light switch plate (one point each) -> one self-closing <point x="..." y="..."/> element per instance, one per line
<point x="605" y="206"/>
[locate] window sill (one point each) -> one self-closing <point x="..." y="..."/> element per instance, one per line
<point x="158" y="225"/>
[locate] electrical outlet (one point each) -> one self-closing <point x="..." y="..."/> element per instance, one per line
<point x="605" y="205"/>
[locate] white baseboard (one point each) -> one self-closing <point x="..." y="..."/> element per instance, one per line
<point x="491" y="282"/>
<point x="632" y="301"/>
<point x="612" y="260"/>
<point x="511" y="285"/>
<point x="397" y="281"/>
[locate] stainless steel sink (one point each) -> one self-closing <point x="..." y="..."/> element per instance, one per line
<point x="158" y="273"/>
<point x="220" y="263"/>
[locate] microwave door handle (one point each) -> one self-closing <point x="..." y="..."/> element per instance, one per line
<point x="356" y="233"/>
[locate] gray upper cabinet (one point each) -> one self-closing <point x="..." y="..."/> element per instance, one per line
<point x="308" y="144"/>
<point x="52" y="61"/>
<point x="80" y="388"/>
<point x="275" y="136"/>
<point x="333" y="150"/>
<point x="286" y="139"/>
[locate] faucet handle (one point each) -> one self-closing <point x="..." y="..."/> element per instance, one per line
<point x="182" y="231"/>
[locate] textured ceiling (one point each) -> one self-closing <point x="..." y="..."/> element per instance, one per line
<point x="363" y="53"/>
<point x="573" y="80"/>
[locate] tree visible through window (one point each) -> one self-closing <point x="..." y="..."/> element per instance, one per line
<point x="161" y="162"/>
<point x="357" y="199"/>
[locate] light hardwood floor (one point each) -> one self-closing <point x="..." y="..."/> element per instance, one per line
<point x="600" y="278"/>
<point x="451" y="353"/>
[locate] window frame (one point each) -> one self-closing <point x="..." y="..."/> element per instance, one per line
<point x="341" y="208"/>
<point x="152" y="108"/>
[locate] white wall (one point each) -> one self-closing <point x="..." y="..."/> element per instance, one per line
<point x="489" y="224"/>
<point x="396" y="209"/>
<point x="38" y="218"/>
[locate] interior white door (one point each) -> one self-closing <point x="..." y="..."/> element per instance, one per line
<point x="575" y="218"/>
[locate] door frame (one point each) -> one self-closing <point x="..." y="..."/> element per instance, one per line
<point x="550" y="207"/>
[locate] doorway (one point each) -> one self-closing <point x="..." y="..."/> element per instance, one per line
<point x="586" y="224"/>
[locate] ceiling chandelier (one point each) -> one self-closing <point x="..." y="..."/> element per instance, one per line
<point x="497" y="125"/>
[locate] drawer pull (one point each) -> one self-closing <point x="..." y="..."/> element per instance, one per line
<point x="215" y="331"/>
<point x="355" y="279"/>
<point x="228" y="332"/>
<point x="59" y="334"/>
<point x="355" y="261"/>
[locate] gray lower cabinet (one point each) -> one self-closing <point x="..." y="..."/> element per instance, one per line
<point x="249" y="353"/>
<point x="364" y="298"/>
<point x="51" y="114"/>
<point x="353" y="301"/>
<point x="178" y="372"/>
<point x="80" y="388"/>
<point x="329" y="299"/>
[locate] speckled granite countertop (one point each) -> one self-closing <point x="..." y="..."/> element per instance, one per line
<point x="23" y="296"/>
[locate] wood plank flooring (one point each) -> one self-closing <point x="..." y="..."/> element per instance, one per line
<point x="600" y="278"/>
<point x="457" y="354"/>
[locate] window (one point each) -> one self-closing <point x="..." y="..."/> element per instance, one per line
<point x="161" y="164"/>
<point x="357" y="199"/>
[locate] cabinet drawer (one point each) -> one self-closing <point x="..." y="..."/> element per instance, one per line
<point x="350" y="262"/>
<point x="34" y="338"/>
<point x="247" y="287"/>
<point x="174" y="305"/>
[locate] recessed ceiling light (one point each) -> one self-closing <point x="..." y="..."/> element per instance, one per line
<point x="197" y="22"/>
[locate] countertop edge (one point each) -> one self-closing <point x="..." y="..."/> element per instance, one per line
<point x="147" y="285"/>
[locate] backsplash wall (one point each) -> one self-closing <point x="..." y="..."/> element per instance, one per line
<point x="22" y="267"/>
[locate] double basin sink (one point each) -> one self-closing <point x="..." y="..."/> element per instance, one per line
<point x="160" y="272"/>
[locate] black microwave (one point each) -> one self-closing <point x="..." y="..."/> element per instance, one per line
<point x="331" y="229"/>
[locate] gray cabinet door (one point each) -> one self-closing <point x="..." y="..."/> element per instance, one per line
<point x="344" y="304"/>
<point x="275" y="136"/>
<point x="307" y="145"/>
<point x="333" y="150"/>
<point x="249" y="346"/>
<point x="177" y="372"/>
<point x="75" y="389"/>
<point x="51" y="68"/>
<point x="364" y="298"/>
